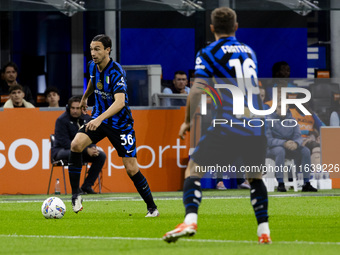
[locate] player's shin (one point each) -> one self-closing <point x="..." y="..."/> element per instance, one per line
<point x="143" y="189"/>
<point x="259" y="200"/>
<point x="192" y="196"/>
<point x="74" y="170"/>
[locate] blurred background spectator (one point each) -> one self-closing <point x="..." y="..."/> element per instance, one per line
<point x="52" y="96"/>
<point x="10" y="74"/>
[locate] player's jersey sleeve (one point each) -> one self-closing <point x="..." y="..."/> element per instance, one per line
<point x="118" y="80"/>
<point x="92" y="71"/>
<point x="202" y="67"/>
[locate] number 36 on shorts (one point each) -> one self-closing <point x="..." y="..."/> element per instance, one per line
<point x="126" y="139"/>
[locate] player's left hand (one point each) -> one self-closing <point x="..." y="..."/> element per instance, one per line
<point x="93" y="125"/>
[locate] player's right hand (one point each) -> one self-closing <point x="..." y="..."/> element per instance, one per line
<point x="93" y="124"/>
<point x="183" y="129"/>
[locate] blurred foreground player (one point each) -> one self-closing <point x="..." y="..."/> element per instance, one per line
<point x="223" y="61"/>
<point x="111" y="118"/>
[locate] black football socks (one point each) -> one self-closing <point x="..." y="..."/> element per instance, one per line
<point x="74" y="170"/>
<point x="192" y="194"/>
<point x="259" y="200"/>
<point x="143" y="189"/>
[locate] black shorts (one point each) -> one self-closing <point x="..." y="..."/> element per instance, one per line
<point x="216" y="148"/>
<point x="124" y="140"/>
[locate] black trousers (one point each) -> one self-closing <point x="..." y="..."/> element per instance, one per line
<point x="97" y="164"/>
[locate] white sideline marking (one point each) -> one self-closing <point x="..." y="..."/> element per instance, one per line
<point x="112" y="199"/>
<point x="160" y="239"/>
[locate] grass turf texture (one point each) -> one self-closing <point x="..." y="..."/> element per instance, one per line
<point x="115" y="224"/>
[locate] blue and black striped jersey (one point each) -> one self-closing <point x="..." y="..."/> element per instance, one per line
<point x="106" y="84"/>
<point x="227" y="61"/>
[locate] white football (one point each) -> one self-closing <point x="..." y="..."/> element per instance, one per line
<point x="53" y="208"/>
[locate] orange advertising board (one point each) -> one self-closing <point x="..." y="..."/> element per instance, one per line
<point x="25" y="152"/>
<point x="330" y="148"/>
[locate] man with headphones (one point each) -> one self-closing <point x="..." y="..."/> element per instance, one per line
<point x="66" y="128"/>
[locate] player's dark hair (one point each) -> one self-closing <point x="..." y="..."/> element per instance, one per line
<point x="51" y="89"/>
<point x="104" y="39"/>
<point x="16" y="87"/>
<point x="224" y="20"/>
<point x="179" y="72"/>
<point x="10" y="64"/>
<point x="277" y="67"/>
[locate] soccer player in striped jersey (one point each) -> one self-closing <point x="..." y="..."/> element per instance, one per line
<point x="225" y="61"/>
<point x="111" y="118"/>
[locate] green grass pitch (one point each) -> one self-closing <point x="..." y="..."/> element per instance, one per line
<point x="115" y="224"/>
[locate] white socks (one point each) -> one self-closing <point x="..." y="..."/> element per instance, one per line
<point x="190" y="218"/>
<point x="263" y="228"/>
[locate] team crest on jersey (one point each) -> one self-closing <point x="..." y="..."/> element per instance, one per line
<point x="99" y="85"/>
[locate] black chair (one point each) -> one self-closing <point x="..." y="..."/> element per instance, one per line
<point x="55" y="163"/>
<point x="62" y="163"/>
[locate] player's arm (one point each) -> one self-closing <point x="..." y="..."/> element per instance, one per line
<point x="193" y="101"/>
<point x="88" y="92"/>
<point x="118" y="104"/>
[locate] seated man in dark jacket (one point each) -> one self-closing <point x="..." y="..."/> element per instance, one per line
<point x="66" y="127"/>
<point x="284" y="140"/>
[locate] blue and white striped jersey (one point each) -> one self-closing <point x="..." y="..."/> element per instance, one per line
<point x="227" y="61"/>
<point x="106" y="84"/>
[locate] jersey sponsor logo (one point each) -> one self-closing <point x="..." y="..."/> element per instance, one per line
<point x="104" y="95"/>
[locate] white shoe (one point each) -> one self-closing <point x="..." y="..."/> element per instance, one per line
<point x="220" y="186"/>
<point x="76" y="203"/>
<point x="244" y="185"/>
<point x="152" y="212"/>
